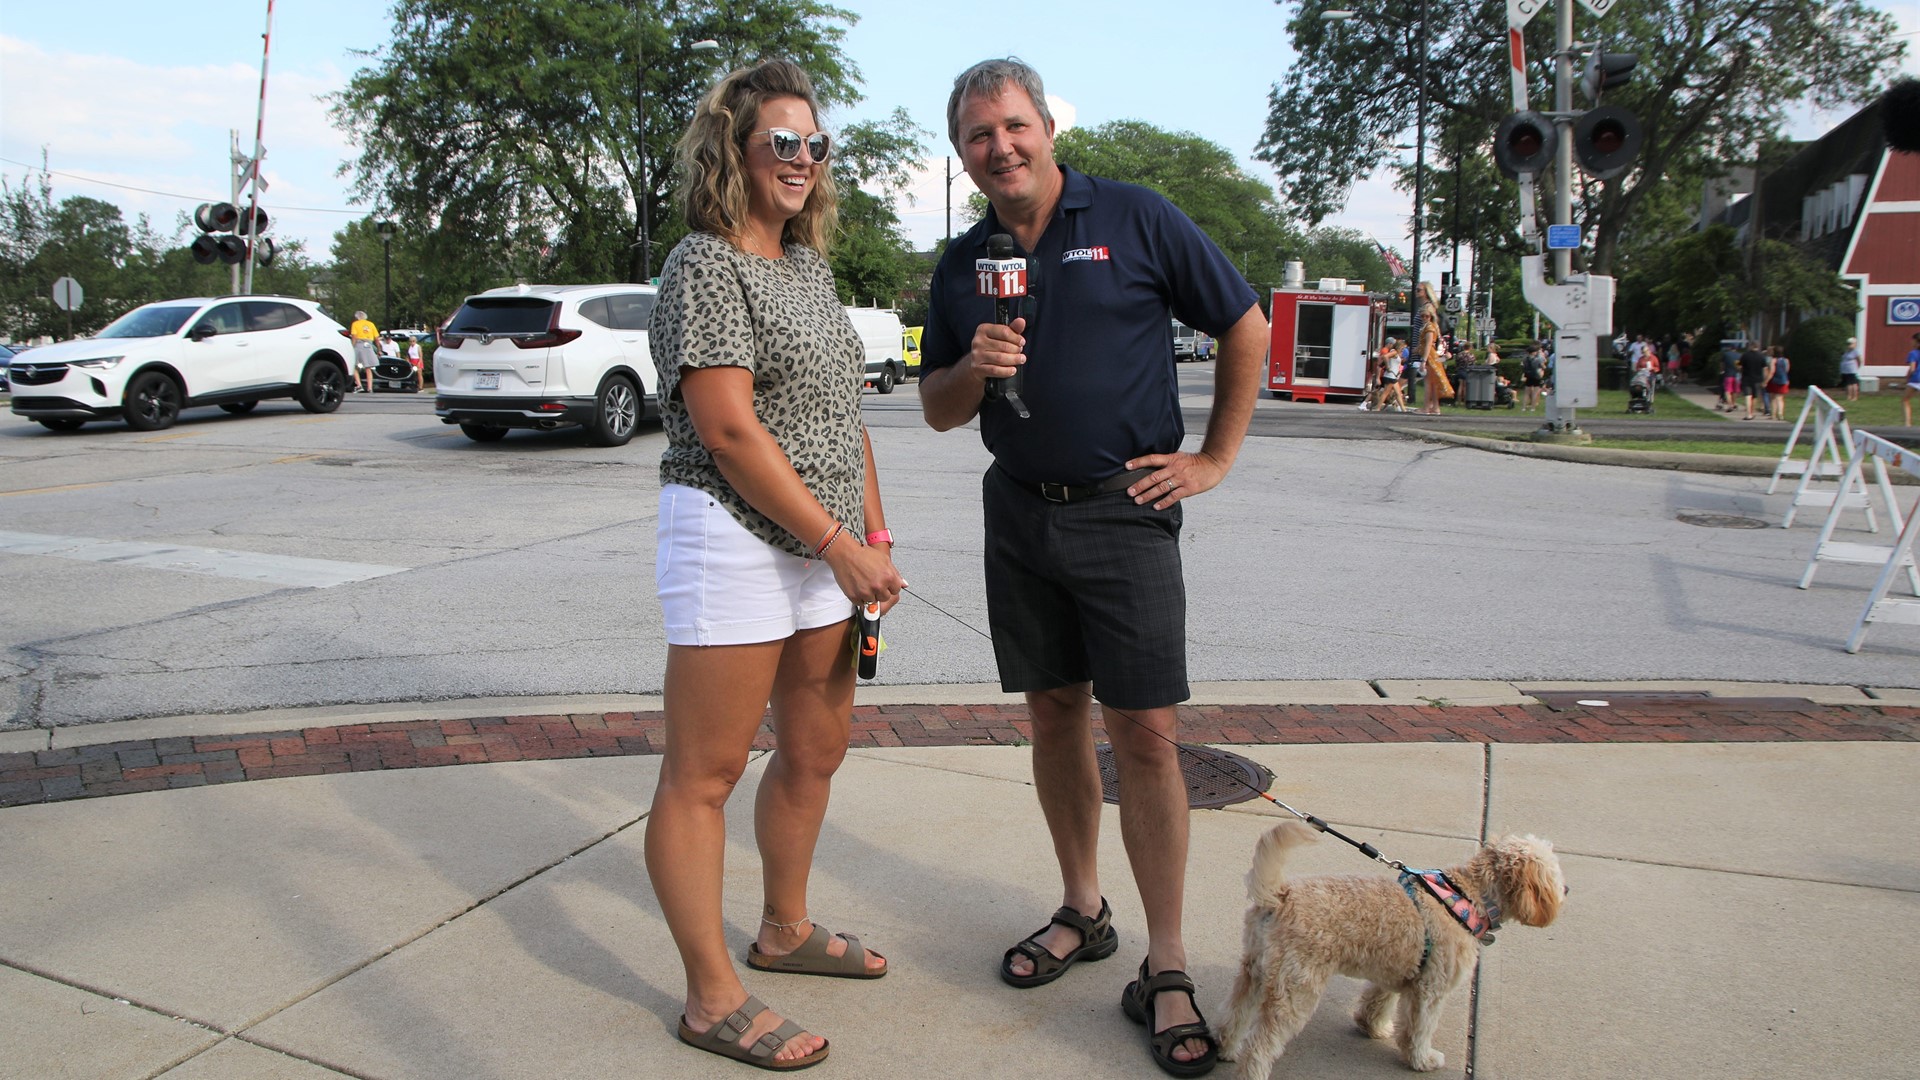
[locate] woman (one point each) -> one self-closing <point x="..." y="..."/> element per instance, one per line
<point x="767" y="489"/>
<point x="1433" y="357"/>
<point x="1779" y="370"/>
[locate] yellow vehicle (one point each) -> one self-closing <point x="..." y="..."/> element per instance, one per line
<point x="910" y="350"/>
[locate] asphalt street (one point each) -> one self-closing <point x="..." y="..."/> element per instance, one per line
<point x="376" y="555"/>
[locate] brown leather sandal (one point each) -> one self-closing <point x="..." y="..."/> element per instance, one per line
<point x="1097" y="942"/>
<point x="812" y="958"/>
<point x="724" y="1038"/>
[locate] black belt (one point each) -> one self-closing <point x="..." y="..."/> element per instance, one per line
<point x="1066" y="493"/>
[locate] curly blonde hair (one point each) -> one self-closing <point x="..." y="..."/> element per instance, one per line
<point x="711" y="158"/>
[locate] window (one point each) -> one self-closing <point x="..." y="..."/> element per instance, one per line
<point x="144" y="322"/>
<point x="595" y="311"/>
<point x="631" y="311"/>
<point x="224" y="319"/>
<point x="502" y="315"/>
<point x="273" y="315"/>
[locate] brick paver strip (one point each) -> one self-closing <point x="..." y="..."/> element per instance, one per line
<point x="119" y="768"/>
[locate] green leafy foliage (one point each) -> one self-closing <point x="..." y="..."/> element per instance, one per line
<point x="1237" y="211"/>
<point x="504" y="136"/>
<point x="1715" y="78"/>
<point x="1815" y="347"/>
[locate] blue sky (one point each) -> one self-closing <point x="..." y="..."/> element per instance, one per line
<point x="143" y="94"/>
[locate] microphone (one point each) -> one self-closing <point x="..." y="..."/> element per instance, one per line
<point x="1003" y="276"/>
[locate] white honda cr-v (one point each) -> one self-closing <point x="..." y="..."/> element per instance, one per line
<point x="548" y="356"/>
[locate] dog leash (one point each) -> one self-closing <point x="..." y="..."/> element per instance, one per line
<point x="1364" y="848"/>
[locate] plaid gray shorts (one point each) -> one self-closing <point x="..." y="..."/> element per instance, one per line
<point x="1087" y="590"/>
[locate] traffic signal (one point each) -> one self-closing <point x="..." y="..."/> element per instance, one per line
<point x="1605" y="139"/>
<point x="222" y="227"/>
<point x="1524" y="144"/>
<point x="1604" y="71"/>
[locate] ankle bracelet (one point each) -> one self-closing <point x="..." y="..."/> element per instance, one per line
<point x="783" y="925"/>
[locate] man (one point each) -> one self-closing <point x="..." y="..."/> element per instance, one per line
<point x="1850" y="369"/>
<point x="1754" y="368"/>
<point x="1729" y="378"/>
<point x="364" y="334"/>
<point x="1081" y="506"/>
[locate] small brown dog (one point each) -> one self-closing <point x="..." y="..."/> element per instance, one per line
<point x="1411" y="949"/>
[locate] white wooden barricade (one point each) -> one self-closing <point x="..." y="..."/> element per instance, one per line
<point x="1832" y="451"/>
<point x="1866" y="448"/>
<point x="1894" y="557"/>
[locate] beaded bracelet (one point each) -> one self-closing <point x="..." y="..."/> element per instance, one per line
<point x="832" y="535"/>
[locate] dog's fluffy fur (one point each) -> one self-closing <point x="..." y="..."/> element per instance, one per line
<point x="1300" y="931"/>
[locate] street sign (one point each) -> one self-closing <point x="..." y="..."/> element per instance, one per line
<point x="1521" y="12"/>
<point x="67" y="294"/>
<point x="1563" y="237"/>
<point x="1598" y="7"/>
<point x="1903" y="311"/>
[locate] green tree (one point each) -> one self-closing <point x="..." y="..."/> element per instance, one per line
<point x="1237" y="212"/>
<point x="506" y="132"/>
<point x="872" y="262"/>
<point x="1345" y="253"/>
<point x="1715" y="76"/>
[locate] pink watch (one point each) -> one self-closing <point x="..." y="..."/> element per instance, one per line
<point x="882" y="536"/>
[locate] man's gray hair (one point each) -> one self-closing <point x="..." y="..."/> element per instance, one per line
<point x="985" y="80"/>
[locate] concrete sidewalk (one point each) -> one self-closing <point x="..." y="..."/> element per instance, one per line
<point x="1737" y="910"/>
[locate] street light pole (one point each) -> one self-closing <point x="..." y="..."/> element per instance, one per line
<point x="646" y="183"/>
<point x="385" y="228"/>
<point x="1419" y="159"/>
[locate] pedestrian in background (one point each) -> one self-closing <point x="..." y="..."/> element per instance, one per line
<point x="1850" y="369"/>
<point x="1533" y="376"/>
<point x="1913" y="382"/>
<point x="767" y="488"/>
<point x="417" y="356"/>
<point x="364" y="334"/>
<point x="1779" y="382"/>
<point x="1754" y="369"/>
<point x="1729" y="378"/>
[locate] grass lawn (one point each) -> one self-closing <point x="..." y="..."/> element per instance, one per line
<point x="1769" y="449"/>
<point x="1613" y="406"/>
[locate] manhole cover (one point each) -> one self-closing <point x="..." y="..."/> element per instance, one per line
<point x="1720" y="521"/>
<point x="1214" y="778"/>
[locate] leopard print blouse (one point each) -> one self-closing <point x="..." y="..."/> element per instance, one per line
<point x="781" y="320"/>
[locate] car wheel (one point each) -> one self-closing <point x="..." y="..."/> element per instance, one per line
<point x="239" y="408"/>
<point x="61" y="423"/>
<point x="615" y="412"/>
<point x="152" y="402"/>
<point x="884" y="383"/>
<point x="483" y="433"/>
<point x="322" y="386"/>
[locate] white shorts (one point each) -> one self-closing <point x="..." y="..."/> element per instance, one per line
<point x="721" y="585"/>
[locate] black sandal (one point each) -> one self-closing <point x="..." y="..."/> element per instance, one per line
<point x="1137" y="1002"/>
<point x="1097" y="942"/>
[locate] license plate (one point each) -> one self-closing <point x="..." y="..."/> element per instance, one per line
<point x="487" y="380"/>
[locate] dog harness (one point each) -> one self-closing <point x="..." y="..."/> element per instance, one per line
<point x="1441" y="887"/>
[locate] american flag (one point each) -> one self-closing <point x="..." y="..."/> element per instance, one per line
<point x="1398" y="268"/>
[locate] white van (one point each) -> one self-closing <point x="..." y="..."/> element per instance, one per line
<point x="880" y="336"/>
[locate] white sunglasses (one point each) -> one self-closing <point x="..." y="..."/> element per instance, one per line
<point x="786" y="143"/>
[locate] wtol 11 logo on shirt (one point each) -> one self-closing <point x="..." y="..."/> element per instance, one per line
<point x="1903" y="311"/>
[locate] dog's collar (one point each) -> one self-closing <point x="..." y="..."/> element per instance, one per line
<point x="1479" y="924"/>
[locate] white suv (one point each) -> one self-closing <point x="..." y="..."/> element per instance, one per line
<point x="147" y="365"/>
<point x="548" y="356"/>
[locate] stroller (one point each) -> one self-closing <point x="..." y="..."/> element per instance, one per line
<point x="1640" y="392"/>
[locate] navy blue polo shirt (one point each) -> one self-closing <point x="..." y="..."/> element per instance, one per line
<point x="1113" y="267"/>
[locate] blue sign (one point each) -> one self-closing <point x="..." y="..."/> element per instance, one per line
<point x="1563" y="237"/>
<point x="1903" y="311"/>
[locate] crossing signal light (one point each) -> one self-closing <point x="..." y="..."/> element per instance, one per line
<point x="1605" y="71"/>
<point x="1605" y="140"/>
<point x="1524" y="145"/>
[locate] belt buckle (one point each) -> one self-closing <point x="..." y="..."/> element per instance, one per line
<point x="1056" y="492"/>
